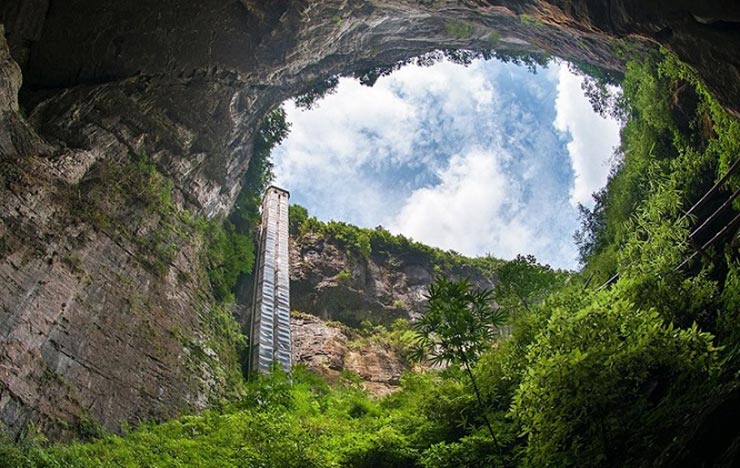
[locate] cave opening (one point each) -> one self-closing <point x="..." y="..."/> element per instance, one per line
<point x="137" y="126"/>
<point x="486" y="157"/>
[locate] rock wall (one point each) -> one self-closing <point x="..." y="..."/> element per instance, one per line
<point x="201" y="74"/>
<point x="339" y="295"/>
<point x="90" y="329"/>
<point x="87" y="327"/>
<point x="329" y="350"/>
<point x="334" y="283"/>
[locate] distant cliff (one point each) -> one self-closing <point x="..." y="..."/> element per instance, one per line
<point x="356" y="290"/>
<point x="349" y="274"/>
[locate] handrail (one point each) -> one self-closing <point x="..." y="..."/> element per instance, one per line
<point x="730" y="225"/>
<point x="721" y="182"/>
<point x="714" y="188"/>
<point x="716" y="213"/>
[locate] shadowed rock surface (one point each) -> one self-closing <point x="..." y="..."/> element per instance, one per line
<point x="104" y="317"/>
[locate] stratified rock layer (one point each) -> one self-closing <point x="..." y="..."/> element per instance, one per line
<point x="89" y="330"/>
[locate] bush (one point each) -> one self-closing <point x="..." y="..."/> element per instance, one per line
<point x="606" y="385"/>
<point x="229" y="254"/>
<point x="386" y="448"/>
<point x="344" y="277"/>
<point x="475" y="451"/>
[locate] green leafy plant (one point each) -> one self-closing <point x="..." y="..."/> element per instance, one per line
<point x="596" y="375"/>
<point x="458" y="29"/>
<point x="344" y="277"/>
<point x="460" y="323"/>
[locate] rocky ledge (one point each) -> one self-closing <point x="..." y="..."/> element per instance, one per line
<point x="329" y="350"/>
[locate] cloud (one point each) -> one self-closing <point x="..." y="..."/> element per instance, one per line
<point x="483" y="159"/>
<point x="464" y="212"/>
<point x="364" y="149"/>
<point x="593" y="138"/>
<point x="331" y="149"/>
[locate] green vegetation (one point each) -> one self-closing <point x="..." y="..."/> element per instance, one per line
<point x="675" y="143"/>
<point x="590" y="377"/>
<point x="399" y="338"/>
<point x="231" y="242"/>
<point x="344" y="277"/>
<point x="282" y="422"/>
<point x="523" y="283"/>
<point x="458" y="29"/>
<point x="226" y="339"/>
<point x="494" y="38"/>
<point x="587" y="398"/>
<point x="383" y="245"/>
<point x="400" y="304"/>
<point x="297" y="215"/>
<point x="132" y="202"/>
<point x="531" y="20"/>
<point x="319" y="90"/>
<point x="460" y="323"/>
<point x="531" y="60"/>
<point x="600" y="87"/>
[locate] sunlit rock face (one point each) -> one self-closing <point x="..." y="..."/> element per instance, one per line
<point x="338" y="293"/>
<point x="331" y="282"/>
<point x="329" y="351"/>
<point x="87" y="328"/>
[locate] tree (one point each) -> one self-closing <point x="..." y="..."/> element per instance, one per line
<point x="317" y="92"/>
<point x="231" y="244"/>
<point x="609" y="383"/>
<point x="523" y="282"/>
<point x="297" y="215"/>
<point x="459" y="324"/>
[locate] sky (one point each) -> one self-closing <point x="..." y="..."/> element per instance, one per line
<point x="484" y="159"/>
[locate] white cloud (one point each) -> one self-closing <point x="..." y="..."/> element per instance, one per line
<point x="468" y="211"/>
<point x="593" y="138"/>
<point x="352" y="136"/>
<point x="328" y="147"/>
<point x="468" y="159"/>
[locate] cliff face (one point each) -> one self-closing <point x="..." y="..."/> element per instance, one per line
<point x="342" y="296"/>
<point x="104" y="309"/>
<point x="336" y="283"/>
<point x="330" y="350"/>
<point x="96" y="320"/>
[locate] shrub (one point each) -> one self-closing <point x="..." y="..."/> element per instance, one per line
<point x="607" y="383"/>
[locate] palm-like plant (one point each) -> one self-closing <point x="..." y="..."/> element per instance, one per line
<point x="459" y="324"/>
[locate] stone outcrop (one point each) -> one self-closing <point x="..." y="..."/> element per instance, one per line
<point x="329" y="350"/>
<point x="87" y="327"/>
<point x="333" y="283"/>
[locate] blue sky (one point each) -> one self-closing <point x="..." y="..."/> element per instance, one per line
<point x="488" y="158"/>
